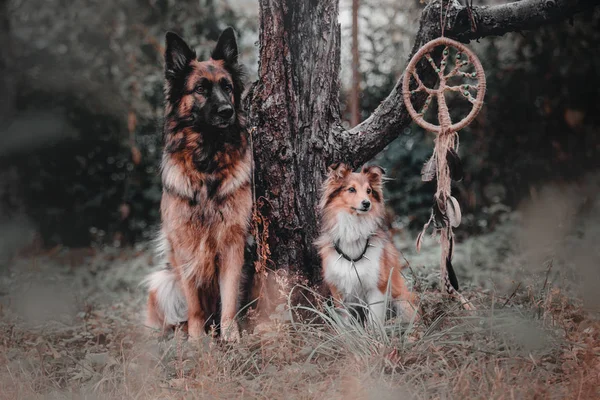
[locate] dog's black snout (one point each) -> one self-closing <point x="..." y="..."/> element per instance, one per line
<point x="366" y="204"/>
<point x="225" y="111"/>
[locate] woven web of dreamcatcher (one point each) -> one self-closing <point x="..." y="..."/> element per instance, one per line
<point x="445" y="165"/>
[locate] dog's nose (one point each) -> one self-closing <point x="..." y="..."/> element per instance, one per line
<point x="366" y="204"/>
<point x="225" y="112"/>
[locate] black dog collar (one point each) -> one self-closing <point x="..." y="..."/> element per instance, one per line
<point x="353" y="260"/>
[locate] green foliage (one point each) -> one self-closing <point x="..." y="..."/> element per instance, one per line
<point x="89" y="96"/>
<point x="539" y="124"/>
<point x="97" y="69"/>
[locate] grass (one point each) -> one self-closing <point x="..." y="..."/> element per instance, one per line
<point x="535" y="343"/>
<point x="530" y="338"/>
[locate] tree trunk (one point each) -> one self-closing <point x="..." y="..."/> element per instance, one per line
<point x="355" y="93"/>
<point x="294" y="107"/>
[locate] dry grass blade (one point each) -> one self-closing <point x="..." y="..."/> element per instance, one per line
<point x="539" y="344"/>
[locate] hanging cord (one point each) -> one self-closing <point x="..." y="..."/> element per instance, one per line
<point x="255" y="212"/>
<point x="445" y="15"/>
<point x="471" y="16"/>
<point x="262" y="251"/>
<point x="252" y="167"/>
<point x="441" y="12"/>
<point x="353" y="261"/>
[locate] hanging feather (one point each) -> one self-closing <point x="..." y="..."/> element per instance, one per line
<point x="451" y="245"/>
<point x="420" y="240"/>
<point x="441" y="202"/>
<point x="453" y="212"/>
<point x="422" y="233"/>
<point x="451" y="274"/>
<point x="429" y="169"/>
<point x="439" y="219"/>
<point x="455" y="165"/>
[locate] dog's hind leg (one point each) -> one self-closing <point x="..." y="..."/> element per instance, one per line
<point x="405" y="301"/>
<point x="154" y="316"/>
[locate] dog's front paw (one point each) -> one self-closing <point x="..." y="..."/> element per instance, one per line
<point x="230" y="331"/>
<point x="343" y="314"/>
<point x="407" y="311"/>
<point x="195" y="330"/>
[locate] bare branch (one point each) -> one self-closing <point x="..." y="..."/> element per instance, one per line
<point x="364" y="141"/>
<point x="516" y="16"/>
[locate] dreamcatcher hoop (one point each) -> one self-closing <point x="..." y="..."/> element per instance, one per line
<point x="445" y="164"/>
<point x="443" y="87"/>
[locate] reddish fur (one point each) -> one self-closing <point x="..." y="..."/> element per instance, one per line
<point x="206" y="238"/>
<point x="154" y="317"/>
<point x="335" y="198"/>
<point x="390" y="263"/>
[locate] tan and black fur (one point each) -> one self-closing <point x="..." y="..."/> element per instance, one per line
<point x="206" y="201"/>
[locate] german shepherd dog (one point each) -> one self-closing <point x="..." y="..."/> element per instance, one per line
<point x="206" y="200"/>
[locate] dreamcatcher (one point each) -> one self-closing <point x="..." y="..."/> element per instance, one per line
<point x="445" y="165"/>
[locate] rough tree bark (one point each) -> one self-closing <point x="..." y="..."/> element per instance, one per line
<point x="355" y="91"/>
<point x="294" y="107"/>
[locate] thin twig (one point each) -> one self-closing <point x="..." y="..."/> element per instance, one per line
<point x="417" y="280"/>
<point x="547" y="275"/>
<point x="512" y="295"/>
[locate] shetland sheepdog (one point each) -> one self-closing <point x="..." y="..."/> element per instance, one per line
<point x="359" y="261"/>
<point x="206" y="200"/>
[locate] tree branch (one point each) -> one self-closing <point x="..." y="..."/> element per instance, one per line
<point x="365" y="140"/>
<point x="516" y="16"/>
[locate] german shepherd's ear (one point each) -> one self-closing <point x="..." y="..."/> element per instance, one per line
<point x="177" y="56"/>
<point x="226" y="49"/>
<point x="374" y="173"/>
<point x="339" y="171"/>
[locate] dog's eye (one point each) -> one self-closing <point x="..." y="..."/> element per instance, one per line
<point x="199" y="89"/>
<point x="369" y="191"/>
<point x="351" y="190"/>
<point x="226" y="85"/>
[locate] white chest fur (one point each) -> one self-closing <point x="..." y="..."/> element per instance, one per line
<point x="354" y="280"/>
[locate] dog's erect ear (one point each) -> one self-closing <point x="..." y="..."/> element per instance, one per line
<point x="374" y="173"/>
<point x="226" y="48"/>
<point x="178" y="55"/>
<point x="339" y="171"/>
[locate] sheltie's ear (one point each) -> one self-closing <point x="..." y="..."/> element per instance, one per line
<point x="334" y="183"/>
<point x="339" y="171"/>
<point x="374" y="173"/>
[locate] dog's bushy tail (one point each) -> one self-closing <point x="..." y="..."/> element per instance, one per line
<point x="170" y="307"/>
<point x="166" y="304"/>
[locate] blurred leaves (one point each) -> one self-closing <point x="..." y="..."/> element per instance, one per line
<point x="540" y="123"/>
<point x="85" y="139"/>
